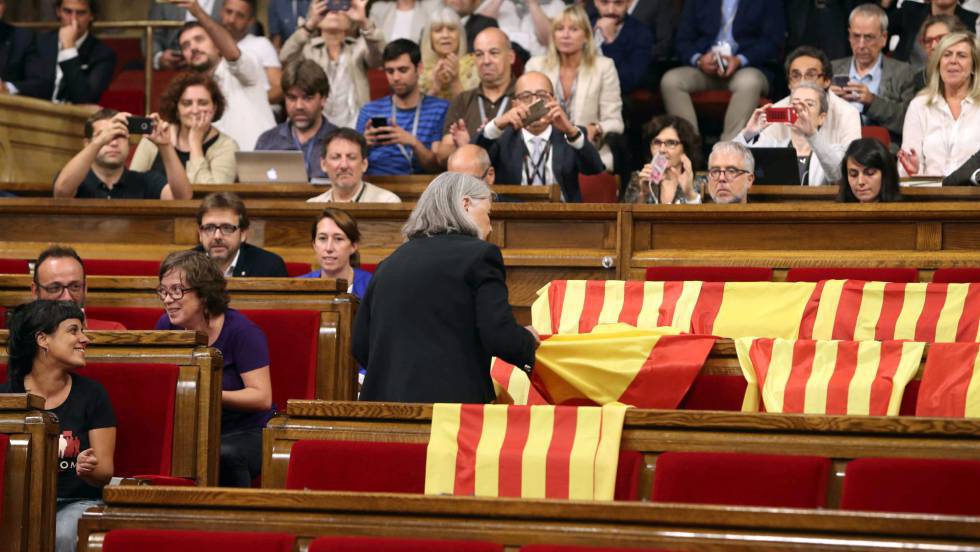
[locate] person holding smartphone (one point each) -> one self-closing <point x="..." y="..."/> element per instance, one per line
<point x="99" y="170"/>
<point x="675" y="153"/>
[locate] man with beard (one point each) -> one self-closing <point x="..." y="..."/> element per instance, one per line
<point x="412" y="121"/>
<point x="99" y="170"/>
<point x="59" y="275"/>
<point x="222" y="222"/>
<point x="345" y="161"/>
<point x="625" y="40"/>
<point x="208" y="47"/>
<point x="731" y="172"/>
<point x="306" y="88"/>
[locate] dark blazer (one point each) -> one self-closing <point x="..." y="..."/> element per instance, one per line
<point x="908" y="22"/>
<point x="507" y="158"/>
<point x="894" y="94"/>
<point x="20" y="62"/>
<point x="474" y="25"/>
<point x="86" y="76"/>
<point x="759" y="29"/>
<point x="630" y="51"/>
<point x="256" y="262"/>
<point x="434" y="314"/>
<point x="963" y="175"/>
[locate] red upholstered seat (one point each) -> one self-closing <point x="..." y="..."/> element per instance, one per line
<point x="878" y="133"/>
<point x="142" y="397"/>
<point x="772" y="480"/>
<point x="4" y="445"/>
<point x="134" y="318"/>
<point x="292" y="338"/>
<point x="377" y="83"/>
<point x="14" y="266"/>
<point x="715" y="392"/>
<point x="155" y="540"/>
<point x="956" y="275"/>
<point x="392" y="544"/>
<point x="297" y="269"/>
<point x="368" y="267"/>
<point x="807" y="274"/>
<point x="599" y="188"/>
<point x="710" y="273"/>
<point x="121" y="267"/>
<point x="927" y="486"/>
<point x="129" y="55"/>
<point x="628" y="475"/>
<point x="562" y="548"/>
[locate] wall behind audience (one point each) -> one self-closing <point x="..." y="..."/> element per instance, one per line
<point x="112" y="10"/>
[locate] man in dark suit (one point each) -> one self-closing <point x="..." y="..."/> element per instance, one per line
<point x="548" y="150"/>
<point x="223" y="228"/>
<point x="20" y="68"/>
<point x="625" y="40"/>
<point x="80" y="64"/>
<point x="473" y="23"/>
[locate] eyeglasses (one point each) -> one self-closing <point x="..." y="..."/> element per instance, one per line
<point x="528" y="97"/>
<point x="731" y="173"/>
<point x="176" y="292"/>
<point x="932" y="40"/>
<point x="226" y="229"/>
<point x="810" y="75"/>
<point x="73" y="288"/>
<point x="671" y="144"/>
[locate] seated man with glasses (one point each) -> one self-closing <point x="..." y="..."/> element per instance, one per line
<point x="223" y="230"/>
<point x="534" y="151"/>
<point x="59" y="275"/>
<point x="731" y="171"/>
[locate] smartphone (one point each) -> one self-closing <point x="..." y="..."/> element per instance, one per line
<point x="338" y="5"/>
<point x="841" y="80"/>
<point x="538" y="110"/>
<point x="785" y="115"/>
<point x="722" y="62"/>
<point x="140" y="125"/>
<point x="658" y="167"/>
<point x="378" y="122"/>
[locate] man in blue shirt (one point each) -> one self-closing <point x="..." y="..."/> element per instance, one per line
<point x="401" y="128"/>
<point x="306" y="88"/>
<point x="283" y="15"/>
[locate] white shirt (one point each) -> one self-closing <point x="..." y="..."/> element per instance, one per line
<point x="262" y="50"/>
<point x="402" y="28"/>
<point x="943" y="144"/>
<point x="247" y="111"/>
<point x="842" y="126"/>
<point x="230" y="271"/>
<point x="206" y="5"/>
<point x="65" y="54"/>
<point x="369" y="193"/>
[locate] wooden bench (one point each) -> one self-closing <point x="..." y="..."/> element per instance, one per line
<point x="309" y="514"/>
<point x="29" y="474"/>
<point x="197" y="404"/>
<point x="796" y="194"/>
<point x="38" y="137"/>
<point x="651" y="432"/>
<point x="335" y="376"/>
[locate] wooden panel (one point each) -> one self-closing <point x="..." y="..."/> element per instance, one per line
<point x="784" y="235"/>
<point x="39" y="137"/>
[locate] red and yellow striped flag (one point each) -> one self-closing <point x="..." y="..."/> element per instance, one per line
<point x="950" y="384"/>
<point x="524" y="451"/>
<point x="512" y="385"/>
<point x="750" y="309"/>
<point x="882" y="311"/>
<point x="827" y="377"/>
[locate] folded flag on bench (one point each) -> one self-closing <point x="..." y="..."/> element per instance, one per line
<point x="950" y="384"/>
<point x="524" y="451"/>
<point x="827" y="377"/>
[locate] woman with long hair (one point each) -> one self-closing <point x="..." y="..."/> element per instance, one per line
<point x="869" y="173"/>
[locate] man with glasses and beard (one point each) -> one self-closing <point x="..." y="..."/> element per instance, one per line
<point x="59" y="275"/>
<point x="223" y="230"/>
<point x="731" y="172"/>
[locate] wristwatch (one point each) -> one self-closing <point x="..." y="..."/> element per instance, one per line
<point x="578" y="134"/>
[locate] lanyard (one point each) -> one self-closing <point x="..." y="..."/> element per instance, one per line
<point x="307" y="150"/>
<point x="406" y="153"/>
<point x="483" y="114"/>
<point x="535" y="169"/>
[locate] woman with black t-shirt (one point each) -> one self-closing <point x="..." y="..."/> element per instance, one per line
<point x="47" y="341"/>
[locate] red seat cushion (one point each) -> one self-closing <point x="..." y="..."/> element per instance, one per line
<point x="956" y="275"/>
<point x="297" y="269"/>
<point x="292" y="338"/>
<point x="878" y="133"/>
<point x="134" y="318"/>
<point x="716" y="392"/>
<point x="393" y="544"/>
<point x="340" y="466"/>
<point x="709" y="273"/>
<point x="562" y="548"/>
<point x="599" y="188"/>
<point x="4" y="445"/>
<point x="628" y="475"/>
<point x="155" y="540"/>
<point x="807" y="274"/>
<point x="15" y="266"/>
<point x="772" y="480"/>
<point x="927" y="486"/>
<point x="121" y="267"/>
<point x="142" y="397"/>
<point x="377" y="83"/>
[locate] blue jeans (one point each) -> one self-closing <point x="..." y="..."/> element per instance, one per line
<point x="69" y="512"/>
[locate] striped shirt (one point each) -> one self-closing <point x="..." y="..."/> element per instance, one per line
<point x="389" y="159"/>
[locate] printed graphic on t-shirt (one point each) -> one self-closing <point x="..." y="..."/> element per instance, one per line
<point x="69" y="446"/>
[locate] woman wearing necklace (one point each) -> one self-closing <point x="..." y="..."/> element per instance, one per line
<point x="586" y="83"/>
<point x="819" y="159"/>
<point x="46" y="345"/>
<point x="335" y="239"/>
<point x="942" y="124"/>
<point x="190" y="104"/>
<point x="345" y="44"/>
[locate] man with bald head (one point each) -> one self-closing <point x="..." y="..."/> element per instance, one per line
<point x="469" y="111"/>
<point x="545" y="150"/>
<point x="473" y="160"/>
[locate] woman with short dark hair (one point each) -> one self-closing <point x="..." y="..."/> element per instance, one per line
<point x="194" y="294"/>
<point x="869" y="173"/>
<point x="677" y="142"/>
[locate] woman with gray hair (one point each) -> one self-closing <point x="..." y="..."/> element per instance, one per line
<point x="447" y="70"/>
<point x="819" y="158"/>
<point x="436" y="310"/>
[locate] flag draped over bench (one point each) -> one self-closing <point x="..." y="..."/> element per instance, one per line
<point x="524" y="451"/>
<point x="827" y="377"/>
<point x="951" y="381"/>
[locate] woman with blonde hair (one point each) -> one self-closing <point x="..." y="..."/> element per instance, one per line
<point x="942" y="124"/>
<point x="447" y="70"/>
<point x="586" y="83"/>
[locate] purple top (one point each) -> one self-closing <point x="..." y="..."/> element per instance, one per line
<point x="244" y="348"/>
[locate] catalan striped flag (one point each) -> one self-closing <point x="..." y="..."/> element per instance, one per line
<point x="748" y="309"/>
<point x="524" y="451"/>
<point x="827" y="377"/>
<point x="512" y="385"/>
<point x="882" y="311"/>
<point x="950" y="384"/>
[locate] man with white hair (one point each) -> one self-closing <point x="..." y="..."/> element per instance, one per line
<point x="731" y="171"/>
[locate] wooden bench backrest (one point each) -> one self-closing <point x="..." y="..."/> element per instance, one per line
<point x="29" y="475"/>
<point x="197" y="408"/>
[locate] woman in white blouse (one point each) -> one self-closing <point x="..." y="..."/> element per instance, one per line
<point x="942" y="124"/>
<point x="586" y="83"/>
